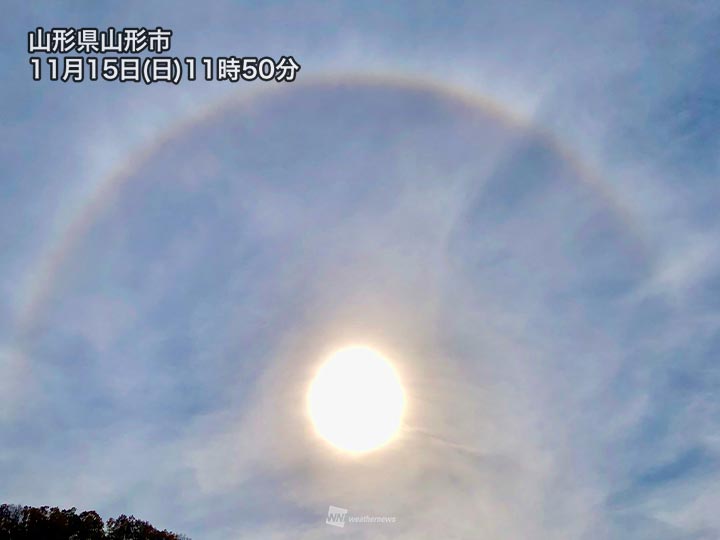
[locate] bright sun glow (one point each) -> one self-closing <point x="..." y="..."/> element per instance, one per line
<point x="356" y="401"/>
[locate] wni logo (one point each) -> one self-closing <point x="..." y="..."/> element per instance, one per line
<point x="336" y="516"/>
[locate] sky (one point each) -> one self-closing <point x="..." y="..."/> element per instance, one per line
<point x="515" y="202"/>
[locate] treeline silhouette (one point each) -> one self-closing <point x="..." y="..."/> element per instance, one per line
<point x="45" y="523"/>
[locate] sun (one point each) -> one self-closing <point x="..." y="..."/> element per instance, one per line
<point x="356" y="401"/>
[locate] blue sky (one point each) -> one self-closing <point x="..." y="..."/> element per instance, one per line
<point x="517" y="203"/>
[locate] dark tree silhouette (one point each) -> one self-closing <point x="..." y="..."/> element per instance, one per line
<point x="131" y="528"/>
<point x="45" y="523"/>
